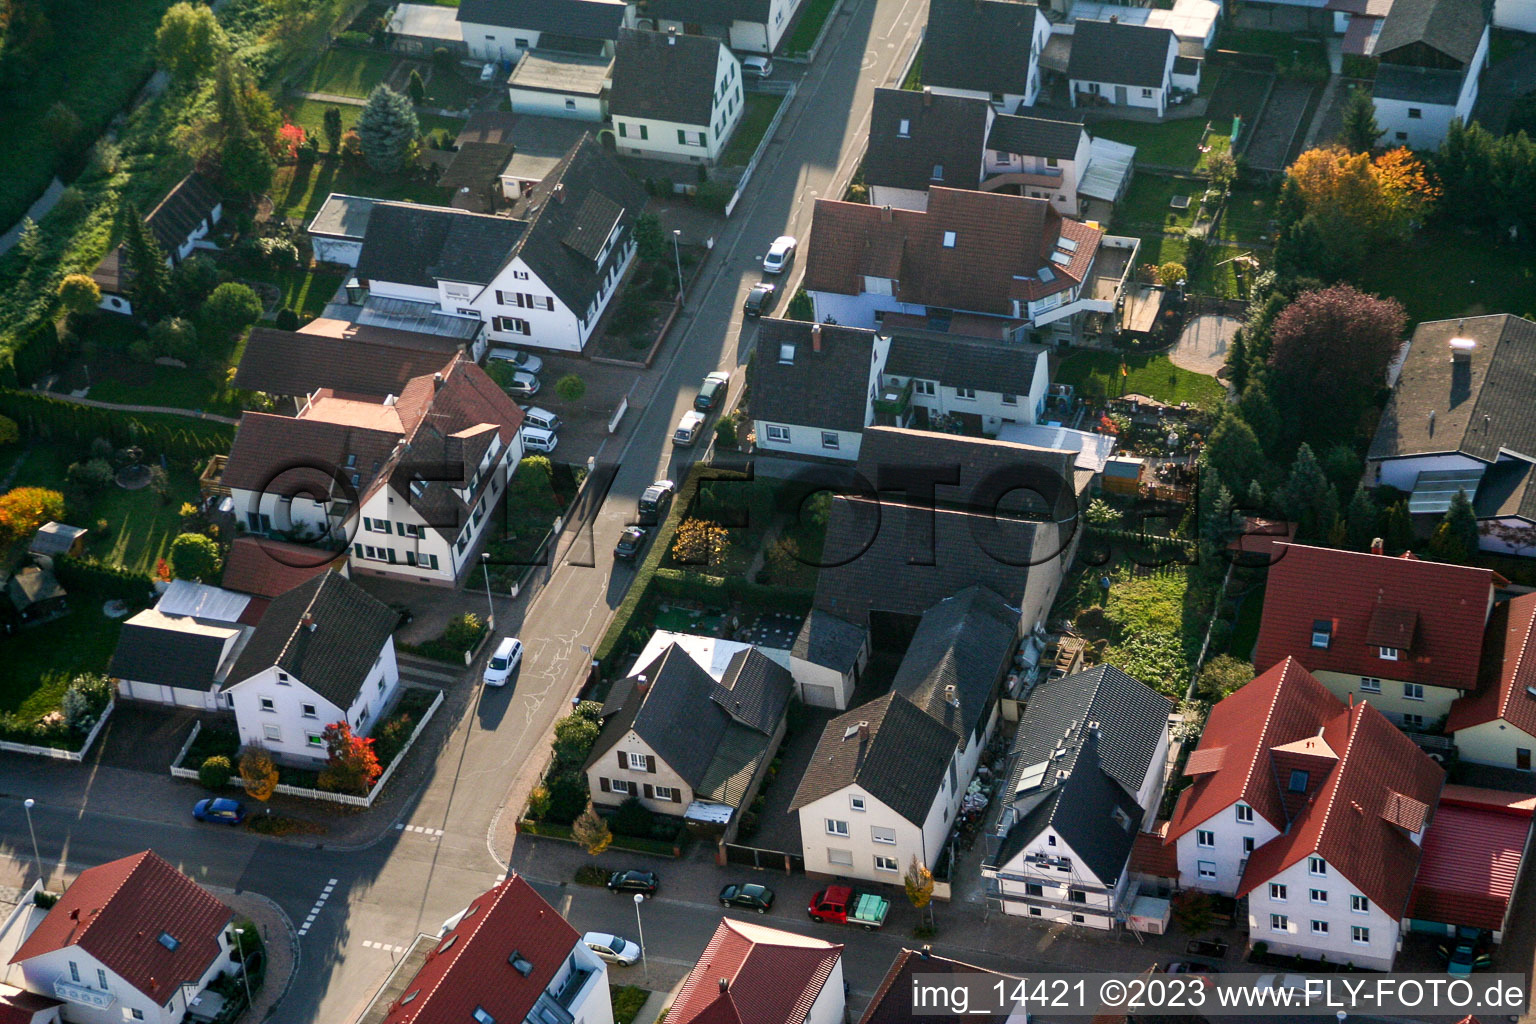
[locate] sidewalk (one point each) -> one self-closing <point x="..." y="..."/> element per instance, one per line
<point x="282" y="948"/>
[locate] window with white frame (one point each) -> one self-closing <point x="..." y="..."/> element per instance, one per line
<point x="1370" y="684"/>
<point x="1319" y="927"/>
<point x="637" y="762"/>
<point x="778" y="433"/>
<point x="967" y="393"/>
<point x="883" y="863"/>
<point x="310" y="711"/>
<point x="1279" y="923"/>
<point x="267" y="704"/>
<point x="1360" y="935"/>
<point x="314" y="739"/>
<point x="1318" y="895"/>
<point x="665" y="793"/>
<point x="1146" y="94"/>
<point x="1204" y="837"/>
<point x="272" y="732"/>
<point x="1388" y="653"/>
<point x="621" y="786"/>
<point x="1359" y="904"/>
<point x="836" y="828"/>
<point x="1244" y="814"/>
<point x="1010" y="399"/>
<point x="829" y="439"/>
<point x="1207" y="868"/>
<point x="1317" y="867"/>
<point x="1277" y="892"/>
<point x="1247" y="845"/>
<point x="856" y="802"/>
<point x="1413" y="691"/>
<point x="882" y="835"/>
<point x="926" y="388"/>
<point x="1413" y="721"/>
<point x="1322" y="633"/>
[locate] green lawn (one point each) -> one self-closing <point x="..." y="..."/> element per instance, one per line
<point x="1151" y="375"/>
<point x="1219" y="273"/>
<point x="40" y="660"/>
<point x="348" y="72"/>
<point x="813" y="14"/>
<point x="1248" y="214"/>
<point x="310" y="115"/>
<point x="1170" y="144"/>
<point x="158" y="385"/>
<point x="1145" y="208"/>
<point x="1441" y="274"/>
<point x="450" y="90"/>
<point x="299" y="191"/>
<point x="1285" y="47"/>
<point x="304" y="290"/>
<point x="755" y="117"/>
<point x="914" y="79"/>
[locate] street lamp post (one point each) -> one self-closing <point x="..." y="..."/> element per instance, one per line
<point x="490" y="609"/>
<point x="644" y="966"/>
<point x="37" y="858"/>
<point x="677" y="255"/>
<point x="245" y="968"/>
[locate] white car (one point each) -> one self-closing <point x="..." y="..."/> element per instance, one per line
<point x="518" y="358"/>
<point x="524" y="384"/>
<point x="537" y="439"/>
<point x="504" y="661"/>
<point x="780" y="255"/>
<point x="613" y="948"/>
<point x="688" y="429"/>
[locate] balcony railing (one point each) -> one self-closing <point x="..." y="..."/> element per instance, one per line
<point x="893" y="400"/>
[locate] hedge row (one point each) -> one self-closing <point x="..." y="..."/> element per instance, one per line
<point x="105" y="581"/>
<point x="722" y="590"/>
<point x="36" y="350"/>
<point x="183" y="439"/>
<point x="551" y="830"/>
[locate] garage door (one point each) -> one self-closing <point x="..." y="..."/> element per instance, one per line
<point x="190" y="698"/>
<point x="149" y="691"/>
<point x="820" y="696"/>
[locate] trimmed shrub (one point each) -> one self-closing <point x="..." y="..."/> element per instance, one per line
<point x="215" y="772"/>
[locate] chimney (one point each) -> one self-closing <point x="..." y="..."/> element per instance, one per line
<point x="1462" y="349"/>
<point x="1114" y="19"/>
<point x="949" y="695"/>
<point x="308" y="621"/>
<point x="885" y="214"/>
<point x="863" y="730"/>
<point x="725" y="985"/>
<point x="927" y="96"/>
<point x="927" y="951"/>
<point x="558" y="192"/>
<point x="437" y="382"/>
<point x="641" y="684"/>
<point x="1378" y="546"/>
<point x="815" y="337"/>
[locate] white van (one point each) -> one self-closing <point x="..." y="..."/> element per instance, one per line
<point x="537" y="439"/>
<point x="541" y="418"/>
<point x="504" y="661"/>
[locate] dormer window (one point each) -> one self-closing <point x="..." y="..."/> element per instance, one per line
<point x="1298" y="781"/>
<point x="1388" y="653"/>
<point x="949" y="236"/>
<point x="1322" y="633"/>
<point x="904" y="130"/>
<point x="786" y="355"/>
<point x="938" y="172"/>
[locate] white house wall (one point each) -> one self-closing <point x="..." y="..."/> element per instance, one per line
<point x="1226" y="854"/>
<point x="816" y="842"/>
<point x="1297" y="936"/>
<point x="1401" y="473"/>
<point x="1099" y="900"/>
<point x="823" y="687"/>
<point x="41" y="972"/>
<point x="1517" y="15"/>
<point x="607" y="767"/>
<point x="1135" y="96"/>
<point x="807" y="440"/>
<point x="661" y="137"/>
<point x="830" y="1004"/>
<point x="858" y="310"/>
<point x="899" y="198"/>
<point x="344" y="251"/>
<point x="1495" y="743"/>
<point x="571" y="106"/>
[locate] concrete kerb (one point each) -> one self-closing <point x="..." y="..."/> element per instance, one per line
<point x="265" y="1005"/>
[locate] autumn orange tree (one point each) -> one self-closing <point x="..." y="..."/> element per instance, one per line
<point x="1340" y="204"/>
<point x="258" y="772"/>
<point x="351" y="766"/>
<point x="700" y="542"/>
<point x="24" y="509"/>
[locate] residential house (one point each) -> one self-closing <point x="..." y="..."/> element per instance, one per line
<point x="358" y="361"/>
<point x="685" y="743"/>
<point x="1459" y="419"/>
<point x="887" y="777"/>
<point x="1086" y="774"/>
<point x="1124" y="65"/>
<point x="1405" y="634"/>
<point x="828" y="658"/>
<point x="547" y="83"/>
<point x="674" y="97"/>
<point x="130" y="940"/>
<point x="750" y="974"/>
<point x="921" y="139"/>
<point x="1009" y="258"/>
<point x="813" y="387"/>
<point x="893" y="1001"/>
<point x="1312" y="808"/>
<point x="1432" y="54"/>
<point x="420" y="30"/>
<point x="507" y="958"/>
<point x="541" y="278"/>
<point x="978" y="384"/>
<point x="1046" y="158"/>
<point x="181" y="655"/>
<point x="324" y="652"/>
<point x="1496" y="723"/>
<point x="749" y="26"/>
<point x="266" y="568"/>
<point x="337" y="229"/>
<point x="178" y="223"/>
<point x="503" y="30"/>
<point x="989" y="49"/>
<point x="409" y="479"/>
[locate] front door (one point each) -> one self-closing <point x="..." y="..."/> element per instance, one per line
<point x="1120" y="96"/>
<point x="1522" y="759"/>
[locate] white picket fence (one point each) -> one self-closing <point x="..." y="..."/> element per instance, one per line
<point x="319" y="794"/>
<point x="64" y="755"/>
<point x="762" y="147"/>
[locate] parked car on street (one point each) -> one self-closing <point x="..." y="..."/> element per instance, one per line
<point x="537" y="439"/>
<point x="613" y="948"/>
<point x="842" y="905"/>
<point x="780" y="255"/>
<point x="634" y="881"/>
<point x="504" y="661"/>
<point x="747" y="897"/>
<point x="712" y="391"/>
<point x="222" y="810"/>
<point x="524" y="384"/>
<point x="688" y="429"/>
<point x="655" y="501"/>
<point x="518" y="358"/>
<point x="759" y="299"/>
<point x="631" y="540"/>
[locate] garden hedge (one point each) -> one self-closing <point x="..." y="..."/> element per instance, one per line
<point x="183" y="439"/>
<point x="104" y="581"/>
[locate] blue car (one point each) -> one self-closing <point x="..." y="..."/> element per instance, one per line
<point x="222" y="810"/>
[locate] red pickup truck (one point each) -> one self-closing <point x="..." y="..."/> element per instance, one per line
<point x="841" y="905"/>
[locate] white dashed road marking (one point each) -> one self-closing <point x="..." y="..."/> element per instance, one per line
<point x="432" y="832"/>
<point x="314" y="911"/>
<point x="386" y="947"/>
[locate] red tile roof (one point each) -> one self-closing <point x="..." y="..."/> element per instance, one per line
<point x="118" y="911"/>
<point x="20" y="1007"/>
<point x="1151" y="856"/>
<point x="271" y="568"/>
<point x="771" y="976"/>
<point x="1470" y="865"/>
<point x="1352" y="591"/>
<point x="1259" y="538"/>
<point x="1361" y="818"/>
<point x="1001" y="244"/>
<point x="1281" y="706"/>
<point x="1521" y="804"/>
<point x="471" y="966"/>
<point x="1509" y="671"/>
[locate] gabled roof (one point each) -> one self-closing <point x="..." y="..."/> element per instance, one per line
<point x="943" y="133"/>
<point x="890" y="748"/>
<point x="754" y="690"/>
<point x="281" y="453"/>
<point x="1153" y="857"/>
<point x="1477" y="407"/>
<point x="411" y="244"/>
<point x="1035" y="136"/>
<point x="326" y="632"/>
<point x="1347" y="591"/>
<point x="1001" y="249"/>
<point x="148" y="923"/>
<point x="954" y="362"/>
<point x="980" y="45"/>
<point x="749" y="974"/>
<point x="965" y="471"/>
<point x="1453" y="27"/>
<point x="473" y="964"/>
<point x="892" y="1002"/>
<point x="590" y="19"/>
<point x="270" y="568"/>
<point x="186" y="206"/>
<point x="961" y="651"/>
<point x="665" y="76"/>
<point x="1108" y="51"/>
<point x="712" y="13"/>
<point x="290" y="363"/>
<point x="1508" y="688"/>
<point x="170" y="650"/>
<point x="828" y="388"/>
<point x="54" y="539"/>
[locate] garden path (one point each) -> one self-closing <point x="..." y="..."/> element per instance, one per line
<point x="196" y="414"/>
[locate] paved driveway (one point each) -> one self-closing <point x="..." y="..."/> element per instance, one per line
<point x="1202" y="348"/>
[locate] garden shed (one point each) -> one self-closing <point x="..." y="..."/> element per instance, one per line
<point x="1123" y="474"/>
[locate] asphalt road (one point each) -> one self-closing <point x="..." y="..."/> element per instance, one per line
<point x="427" y="870"/>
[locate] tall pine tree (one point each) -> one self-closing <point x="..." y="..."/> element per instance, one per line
<point x="150" y="285"/>
<point x="388" y="129"/>
<point x="1361" y="520"/>
<point x="1305" y="499"/>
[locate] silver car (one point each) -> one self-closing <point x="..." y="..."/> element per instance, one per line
<point x="518" y="358"/>
<point x="613" y="948"/>
<point x="780" y="255"/>
<point x="523" y="384"/>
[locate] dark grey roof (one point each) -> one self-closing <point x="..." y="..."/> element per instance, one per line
<point x="982" y="45"/>
<point x="166" y="656"/>
<point x="755" y="690"/>
<point x="825" y="639"/>
<point x="291" y="363"/>
<point x="713" y="13"/>
<point x="665" y="76"/>
<point x="593" y="19"/>
<point x="947" y="133"/>
<point x="475" y="165"/>
<point x="333" y="658"/>
<point x="1453" y="27"/>
<point x="963" y="466"/>
<point x="489" y="126"/>
<point x="1035" y="136"/>
<point x="1507" y="489"/>
<point x="827" y="389"/>
<point x="1477" y="407"/>
<point x="900" y="762"/>
<point x="965" y="642"/>
<point x="1132" y="718"/>
<point x="1004" y="369"/>
<point x="407" y="243"/>
<point x="342" y="216"/>
<point x="1426" y="85"/>
<point x="1106" y="51"/>
<point x="183" y="210"/>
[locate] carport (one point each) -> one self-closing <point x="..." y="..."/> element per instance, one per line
<point x="1473" y="855"/>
